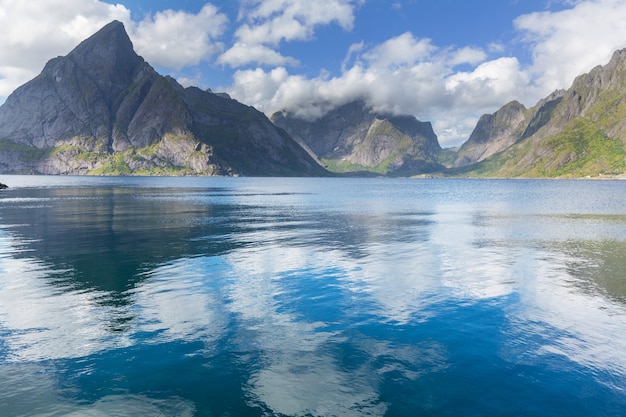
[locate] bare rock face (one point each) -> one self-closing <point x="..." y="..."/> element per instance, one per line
<point x="354" y="138"/>
<point x="493" y="133"/>
<point x="77" y="95"/>
<point x="103" y="110"/>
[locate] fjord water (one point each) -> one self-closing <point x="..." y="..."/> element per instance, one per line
<point x="316" y="297"/>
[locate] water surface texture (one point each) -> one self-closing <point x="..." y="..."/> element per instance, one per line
<point x="312" y="297"/>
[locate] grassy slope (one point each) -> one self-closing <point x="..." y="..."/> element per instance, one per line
<point x="581" y="149"/>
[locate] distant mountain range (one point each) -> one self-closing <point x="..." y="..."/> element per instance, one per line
<point x="102" y="110"/>
<point x="579" y="132"/>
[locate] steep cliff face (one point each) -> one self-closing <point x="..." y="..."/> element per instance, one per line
<point x="493" y="133"/>
<point x="103" y="110"/>
<point x="353" y="138"/>
<point x="571" y="133"/>
<point x="93" y="94"/>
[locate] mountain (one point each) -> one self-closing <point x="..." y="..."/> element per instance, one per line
<point x="493" y="133"/>
<point x="571" y="133"/>
<point x="353" y="138"/>
<point x="103" y="110"/>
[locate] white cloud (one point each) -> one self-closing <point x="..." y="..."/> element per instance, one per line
<point x="241" y="53"/>
<point x="404" y="74"/>
<point x="401" y="50"/>
<point x="499" y="78"/>
<point x="448" y="85"/>
<point x="192" y="80"/>
<point x="257" y="85"/>
<point x="496" y="47"/>
<point x="276" y="90"/>
<point x="468" y="55"/>
<point x="354" y="49"/>
<point x="570" y="42"/>
<point x="176" y="39"/>
<point x="270" y="22"/>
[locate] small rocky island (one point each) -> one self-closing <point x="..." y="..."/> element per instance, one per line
<point x="3" y="186"/>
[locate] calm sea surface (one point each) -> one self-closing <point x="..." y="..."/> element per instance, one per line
<point x="312" y="297"/>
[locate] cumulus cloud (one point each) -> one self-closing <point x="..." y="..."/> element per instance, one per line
<point x="567" y="43"/>
<point x="500" y="77"/>
<point x="241" y="53"/>
<point x="468" y="55"/>
<point x="404" y="74"/>
<point x="267" y="23"/>
<point x="160" y="38"/>
<point x="272" y="21"/>
<point x="401" y="50"/>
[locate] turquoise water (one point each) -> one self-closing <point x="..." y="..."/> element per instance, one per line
<point x="312" y="297"/>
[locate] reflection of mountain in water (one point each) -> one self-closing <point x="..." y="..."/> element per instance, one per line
<point x="110" y="238"/>
<point x="105" y="238"/>
<point x="599" y="266"/>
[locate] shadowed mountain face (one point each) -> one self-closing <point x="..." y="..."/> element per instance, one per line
<point x="354" y="138"/>
<point x="103" y="110"/>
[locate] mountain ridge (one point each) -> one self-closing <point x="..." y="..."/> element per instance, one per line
<point x="354" y="139"/>
<point x="577" y="132"/>
<point x="102" y="109"/>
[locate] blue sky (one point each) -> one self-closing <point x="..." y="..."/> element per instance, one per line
<point x="443" y="61"/>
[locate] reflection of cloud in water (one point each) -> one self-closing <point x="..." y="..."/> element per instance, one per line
<point x="310" y="384"/>
<point x="555" y="313"/>
<point x="555" y="317"/>
<point x="318" y="312"/>
<point x="539" y="258"/>
<point x="50" y="319"/>
<point x="182" y="301"/>
<point x="411" y="360"/>
<point x="299" y="370"/>
<point x="405" y="276"/>
<point x="475" y="263"/>
<point x="130" y="406"/>
<point x="48" y="322"/>
<point x="399" y="279"/>
<point x="32" y="388"/>
<point x="295" y="374"/>
<point x="384" y="258"/>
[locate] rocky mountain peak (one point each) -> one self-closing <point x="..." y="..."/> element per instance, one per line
<point x="103" y="109"/>
<point x="493" y="133"/>
<point x="353" y="137"/>
<point x="110" y="43"/>
<point x="109" y="59"/>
